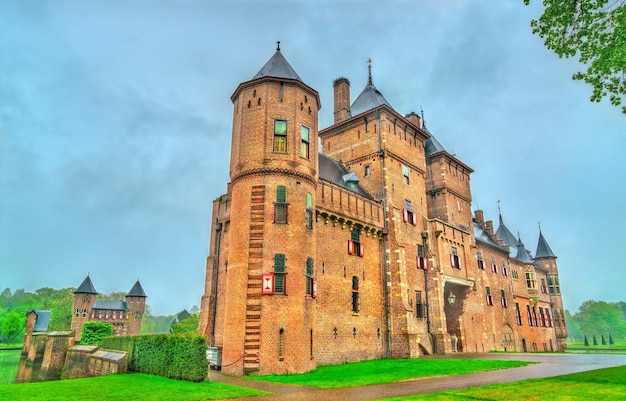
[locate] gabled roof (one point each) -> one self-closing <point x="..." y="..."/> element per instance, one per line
<point x="277" y="67"/>
<point x="42" y="321"/>
<point x="522" y="254"/>
<point x="86" y="287"/>
<point x="543" y="249"/>
<point x="333" y="171"/>
<point x="369" y="99"/>
<point x="109" y="305"/>
<point x="136" y="291"/>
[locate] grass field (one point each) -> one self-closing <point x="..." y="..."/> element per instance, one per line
<point x="603" y="384"/>
<point x="135" y="386"/>
<point x="9" y="362"/>
<point x="578" y="346"/>
<point x="387" y="371"/>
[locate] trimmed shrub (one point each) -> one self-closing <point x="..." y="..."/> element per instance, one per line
<point x="177" y="356"/>
<point x="94" y="332"/>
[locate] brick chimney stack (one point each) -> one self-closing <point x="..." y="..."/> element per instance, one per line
<point x="479" y="217"/>
<point x="342" y="99"/>
<point x="414" y="119"/>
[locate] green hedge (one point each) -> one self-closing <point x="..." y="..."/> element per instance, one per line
<point x="94" y="332"/>
<point x="177" y="356"/>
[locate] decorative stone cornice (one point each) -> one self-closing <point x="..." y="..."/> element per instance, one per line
<point x="263" y="171"/>
<point x="343" y="222"/>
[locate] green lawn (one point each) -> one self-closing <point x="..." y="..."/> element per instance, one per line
<point x="579" y="346"/>
<point x="9" y="362"/>
<point x="387" y="371"/>
<point x="136" y="386"/>
<point x="603" y="384"/>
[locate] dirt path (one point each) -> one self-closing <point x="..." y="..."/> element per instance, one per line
<point x="549" y="365"/>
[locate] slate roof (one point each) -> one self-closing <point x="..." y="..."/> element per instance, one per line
<point x="481" y="236"/>
<point x="86" y="287"/>
<point x="432" y="145"/>
<point x="42" y="321"/>
<point x="333" y="171"/>
<point x="507" y="238"/>
<point x="543" y="249"/>
<point x="369" y="98"/>
<point x="137" y="290"/>
<point x="522" y="254"/>
<point x="109" y="305"/>
<point x="278" y="67"/>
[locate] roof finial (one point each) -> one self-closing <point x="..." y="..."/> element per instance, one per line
<point x="423" y="119"/>
<point x="369" y="72"/>
<point x="500" y="212"/>
<point x="539" y="224"/>
<point x="278" y="45"/>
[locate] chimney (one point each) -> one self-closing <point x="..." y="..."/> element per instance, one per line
<point x="479" y="217"/>
<point x="341" y="87"/>
<point x="489" y="227"/>
<point x="414" y="119"/>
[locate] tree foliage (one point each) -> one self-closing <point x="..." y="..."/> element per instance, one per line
<point x="599" y="317"/>
<point x="595" y="31"/>
<point x="94" y="332"/>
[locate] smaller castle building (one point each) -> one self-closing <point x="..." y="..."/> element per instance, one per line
<point x="125" y="316"/>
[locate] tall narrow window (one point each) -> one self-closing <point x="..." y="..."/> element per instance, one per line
<point x="368" y="170"/>
<point x="280" y="136"/>
<point x="354" y="244"/>
<point x="479" y="257"/>
<point x="422" y="260"/>
<point x="309" y="211"/>
<point x="311" y="344"/>
<point x="407" y="213"/>
<point x="489" y="298"/>
<point x="454" y="259"/>
<point x="505" y="271"/>
<point x="355" y="294"/>
<point x="279" y="274"/>
<point x="366" y="124"/>
<point x="530" y="316"/>
<point x="503" y="299"/>
<point x="531" y="281"/>
<point x="494" y="266"/>
<point x="405" y="174"/>
<point x="280" y="206"/>
<point x="304" y="142"/>
<point x="309" y="277"/>
<point x="420" y="311"/>
<point x="544" y="287"/>
<point x="281" y="344"/>
<point x="518" y="314"/>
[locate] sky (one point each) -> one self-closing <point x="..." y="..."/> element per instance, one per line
<point x="115" y="125"/>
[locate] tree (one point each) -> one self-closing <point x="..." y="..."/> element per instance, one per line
<point x="572" y="325"/>
<point x="595" y="342"/>
<point x="94" y="332"/>
<point x="595" y="31"/>
<point x="586" y="341"/>
<point x="188" y="325"/>
<point x="601" y="317"/>
<point x="12" y="327"/>
<point x="603" y="340"/>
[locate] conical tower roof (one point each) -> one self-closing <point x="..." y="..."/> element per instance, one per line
<point x="278" y="67"/>
<point x="86" y="287"/>
<point x="369" y="98"/>
<point x="522" y="254"/>
<point x="543" y="249"/>
<point x="137" y="291"/>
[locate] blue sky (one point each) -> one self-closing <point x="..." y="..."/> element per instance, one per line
<point x="115" y="123"/>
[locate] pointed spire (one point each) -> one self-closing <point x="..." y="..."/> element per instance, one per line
<point x="500" y="213"/>
<point x="86" y="287"/>
<point x="277" y="67"/>
<point x="137" y="290"/>
<point x="543" y="249"/>
<point x="522" y="254"/>
<point x="370" y="81"/>
<point x="370" y="98"/>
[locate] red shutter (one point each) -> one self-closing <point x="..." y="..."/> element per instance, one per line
<point x="361" y="249"/>
<point x="452" y="260"/>
<point x="314" y="288"/>
<point x="267" y="284"/>
<point x="414" y="218"/>
<point x="350" y="247"/>
<point x="405" y="215"/>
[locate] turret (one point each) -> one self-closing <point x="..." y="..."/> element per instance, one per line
<point x="273" y="172"/>
<point x="84" y="298"/>
<point x="136" y="303"/>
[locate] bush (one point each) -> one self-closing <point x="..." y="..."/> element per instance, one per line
<point x="94" y="332"/>
<point x="177" y="356"/>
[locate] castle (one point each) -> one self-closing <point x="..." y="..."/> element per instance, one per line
<point x="125" y="316"/>
<point x="357" y="241"/>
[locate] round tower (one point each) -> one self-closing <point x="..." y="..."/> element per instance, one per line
<point x="273" y="173"/>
